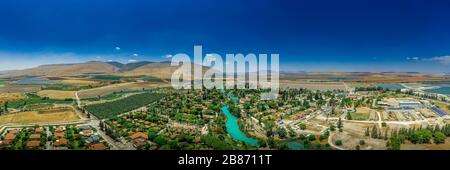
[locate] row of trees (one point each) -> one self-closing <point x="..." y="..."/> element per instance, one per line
<point x="376" y="133"/>
<point x="109" y="109"/>
<point x="436" y="135"/>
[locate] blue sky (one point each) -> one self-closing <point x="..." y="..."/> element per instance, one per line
<point x="347" y="35"/>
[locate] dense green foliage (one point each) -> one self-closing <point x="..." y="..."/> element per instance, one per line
<point x="369" y="89"/>
<point x="436" y="135"/>
<point x="65" y="87"/>
<point x="151" y="79"/>
<point x="107" y="77"/>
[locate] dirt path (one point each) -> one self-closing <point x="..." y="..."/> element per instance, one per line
<point x="331" y="143"/>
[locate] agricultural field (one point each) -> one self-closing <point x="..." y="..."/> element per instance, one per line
<point x="57" y="94"/>
<point x="47" y="116"/>
<point x="68" y="87"/>
<point x="18" y="88"/>
<point x="35" y="99"/>
<point x="122" y="87"/>
<point x="80" y="81"/>
<point x="7" y="97"/>
<point x="109" y="109"/>
<point x="151" y="79"/>
<point x="40" y="106"/>
<point x="107" y="77"/>
<point x="3" y="83"/>
<point x="359" y="116"/>
<point x="112" y="96"/>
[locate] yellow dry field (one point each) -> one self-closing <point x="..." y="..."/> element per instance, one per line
<point x="50" y="116"/>
<point x="362" y="110"/>
<point x="7" y="97"/>
<point x="105" y="90"/>
<point x="57" y="94"/>
<point x="80" y="81"/>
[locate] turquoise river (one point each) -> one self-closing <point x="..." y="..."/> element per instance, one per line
<point x="233" y="126"/>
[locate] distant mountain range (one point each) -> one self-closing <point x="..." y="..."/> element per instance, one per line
<point x="156" y="69"/>
<point x="163" y="70"/>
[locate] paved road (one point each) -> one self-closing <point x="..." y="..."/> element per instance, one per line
<point x="95" y="122"/>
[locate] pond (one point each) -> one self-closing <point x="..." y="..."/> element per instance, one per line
<point x="35" y="80"/>
<point x="442" y="88"/>
<point x="390" y="86"/>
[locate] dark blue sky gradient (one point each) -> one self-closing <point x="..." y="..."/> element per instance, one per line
<point x="358" y="35"/>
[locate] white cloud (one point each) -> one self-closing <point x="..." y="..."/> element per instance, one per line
<point x="135" y="54"/>
<point x="441" y="59"/>
<point x="117" y="48"/>
<point x="168" y="56"/>
<point x="412" y="58"/>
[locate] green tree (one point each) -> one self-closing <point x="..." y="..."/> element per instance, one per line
<point x="393" y="144"/>
<point x="362" y="142"/>
<point x="282" y="132"/>
<point x="439" y="137"/>
<point x="160" y="140"/>
<point x="338" y="142"/>
<point x="332" y="127"/>
<point x="421" y="136"/>
<point x="374" y="132"/>
<point x="5" y="107"/>
<point x="386" y="134"/>
<point x="302" y="126"/>
<point x="349" y="116"/>
<point x="367" y="133"/>
<point x="339" y="123"/>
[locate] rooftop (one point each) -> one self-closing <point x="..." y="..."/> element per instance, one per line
<point x="32" y="144"/>
<point x="35" y="136"/>
<point x="139" y="135"/>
